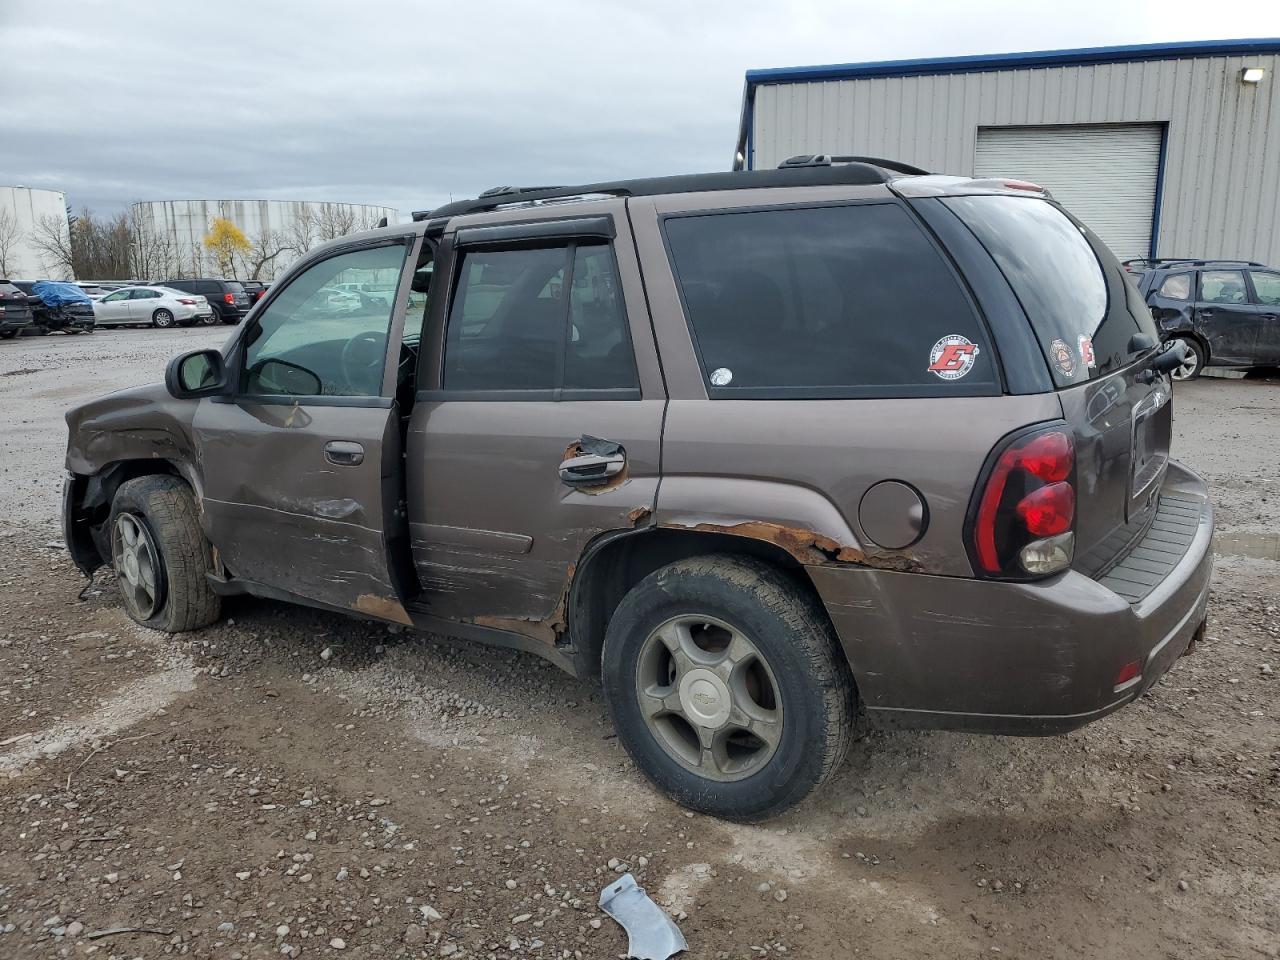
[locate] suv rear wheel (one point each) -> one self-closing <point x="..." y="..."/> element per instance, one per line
<point x="727" y="687"/>
<point x="160" y="555"/>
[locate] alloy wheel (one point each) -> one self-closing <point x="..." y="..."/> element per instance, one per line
<point x="1190" y="360"/>
<point x="163" y="318"/>
<point x="709" y="698"/>
<point x="137" y="564"/>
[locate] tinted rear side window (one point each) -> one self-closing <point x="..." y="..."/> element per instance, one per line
<point x="839" y="301"/>
<point x="1080" y="301"/>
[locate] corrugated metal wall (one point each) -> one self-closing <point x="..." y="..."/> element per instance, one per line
<point x="1221" y="194"/>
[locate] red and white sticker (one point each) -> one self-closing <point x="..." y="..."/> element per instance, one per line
<point x="1086" y="350"/>
<point x="953" y="357"/>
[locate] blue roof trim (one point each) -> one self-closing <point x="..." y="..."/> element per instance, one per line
<point x="1013" y="61"/>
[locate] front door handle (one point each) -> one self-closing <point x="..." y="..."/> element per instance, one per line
<point x="344" y="453"/>
<point x="589" y="469"/>
<point x="1205" y="313"/>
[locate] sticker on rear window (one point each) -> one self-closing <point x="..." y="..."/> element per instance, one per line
<point x="1086" y="351"/>
<point x="721" y="377"/>
<point x="1060" y="354"/>
<point x="953" y="357"/>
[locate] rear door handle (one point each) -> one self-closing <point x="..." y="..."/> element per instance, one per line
<point x="590" y="468"/>
<point x="344" y="453"/>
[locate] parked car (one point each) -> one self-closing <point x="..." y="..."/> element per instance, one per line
<point x="380" y="293"/>
<point x="255" y="289"/>
<point x="153" y="307"/>
<point x="57" y="305"/>
<point x="764" y="450"/>
<point x="1226" y="311"/>
<point x="15" y="310"/>
<point x="227" y="297"/>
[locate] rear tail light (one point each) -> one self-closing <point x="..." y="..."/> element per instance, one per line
<point x="190" y="303"/>
<point x="1022" y="524"/>
<point x="229" y="297"/>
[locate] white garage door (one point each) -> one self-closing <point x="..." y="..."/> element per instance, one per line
<point x="1105" y="174"/>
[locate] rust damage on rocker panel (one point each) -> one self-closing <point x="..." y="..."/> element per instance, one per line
<point x="384" y="608"/>
<point x="806" y="546"/>
<point x="546" y="629"/>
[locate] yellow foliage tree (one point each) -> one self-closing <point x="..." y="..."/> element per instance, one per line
<point x="226" y="241"/>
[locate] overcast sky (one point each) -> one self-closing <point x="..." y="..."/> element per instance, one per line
<point x="408" y="103"/>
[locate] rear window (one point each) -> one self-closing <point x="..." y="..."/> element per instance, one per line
<point x="838" y="301"/>
<point x="1080" y="301"/>
<point x="235" y="286"/>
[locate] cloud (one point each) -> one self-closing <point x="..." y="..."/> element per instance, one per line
<point x="410" y="102"/>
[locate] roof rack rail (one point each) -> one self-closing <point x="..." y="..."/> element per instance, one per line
<point x="845" y="171"/>
<point x="1154" y="262"/>
<point x="826" y="160"/>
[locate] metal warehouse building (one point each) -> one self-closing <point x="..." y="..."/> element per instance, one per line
<point x="1168" y="150"/>
<point x="290" y="226"/>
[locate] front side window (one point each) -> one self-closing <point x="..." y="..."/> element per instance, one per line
<point x="118" y="295"/>
<point x="1223" y="286"/>
<point x="1176" y="287"/>
<point x="315" y="339"/>
<point x="543" y="318"/>
<point x="1266" y="286"/>
<point x="848" y="300"/>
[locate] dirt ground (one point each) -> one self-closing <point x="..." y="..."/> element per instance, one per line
<point x="294" y="783"/>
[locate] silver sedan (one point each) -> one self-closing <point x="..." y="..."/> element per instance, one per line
<point x="153" y="307"/>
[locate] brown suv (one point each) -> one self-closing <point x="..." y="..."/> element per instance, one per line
<point x="763" y="449"/>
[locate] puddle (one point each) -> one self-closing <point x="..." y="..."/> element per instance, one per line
<point x="1262" y="546"/>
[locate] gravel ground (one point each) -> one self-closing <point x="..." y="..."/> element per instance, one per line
<point x="292" y="783"/>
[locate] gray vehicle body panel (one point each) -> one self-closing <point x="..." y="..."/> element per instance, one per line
<point x="473" y="530"/>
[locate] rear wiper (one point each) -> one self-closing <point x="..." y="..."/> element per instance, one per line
<point x="1167" y="359"/>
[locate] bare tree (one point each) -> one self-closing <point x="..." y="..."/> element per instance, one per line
<point x="52" y="237"/>
<point x="153" y="253"/>
<point x="335" y="220"/>
<point x="268" y="246"/>
<point x="9" y="237"/>
<point x="302" y="232"/>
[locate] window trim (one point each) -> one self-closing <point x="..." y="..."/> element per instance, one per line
<point x="238" y="369"/>
<point x="993" y="388"/>
<point x="569" y="243"/>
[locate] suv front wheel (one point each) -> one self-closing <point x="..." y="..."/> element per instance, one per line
<point x="160" y="555"/>
<point x="727" y="686"/>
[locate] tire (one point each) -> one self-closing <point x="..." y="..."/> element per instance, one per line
<point x="797" y="665"/>
<point x="8" y="334"/>
<point x="161" y="513"/>
<point x="209" y="321"/>
<point x="162" y="318"/>
<point x="1193" y="362"/>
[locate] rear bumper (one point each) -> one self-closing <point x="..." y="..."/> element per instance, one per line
<point x="1029" y="658"/>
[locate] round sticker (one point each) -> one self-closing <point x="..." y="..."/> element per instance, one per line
<point x="953" y="356"/>
<point x="1060" y="354"/>
<point x="721" y="377"/>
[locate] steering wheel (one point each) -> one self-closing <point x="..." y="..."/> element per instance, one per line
<point x="362" y="361"/>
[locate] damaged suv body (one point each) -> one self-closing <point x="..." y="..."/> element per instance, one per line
<point x="763" y="450"/>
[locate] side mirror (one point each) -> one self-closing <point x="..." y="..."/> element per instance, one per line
<point x="201" y="373"/>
